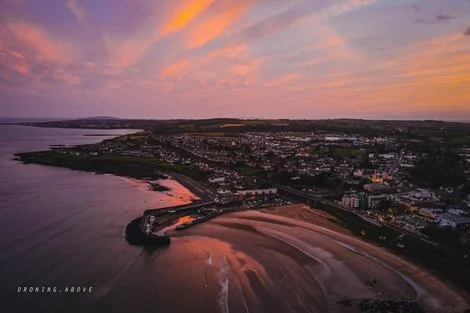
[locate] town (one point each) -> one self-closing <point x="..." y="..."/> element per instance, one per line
<point x="411" y="181"/>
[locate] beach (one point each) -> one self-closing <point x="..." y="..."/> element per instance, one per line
<point x="306" y="251"/>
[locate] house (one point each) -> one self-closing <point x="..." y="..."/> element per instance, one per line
<point x="255" y="193"/>
<point x="219" y="179"/>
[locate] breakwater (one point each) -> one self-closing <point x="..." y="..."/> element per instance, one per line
<point x="135" y="236"/>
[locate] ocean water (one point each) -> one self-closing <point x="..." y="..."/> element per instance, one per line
<point x="61" y="228"/>
<point x="65" y="228"/>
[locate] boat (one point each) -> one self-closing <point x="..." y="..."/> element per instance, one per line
<point x="363" y="232"/>
<point x="400" y="245"/>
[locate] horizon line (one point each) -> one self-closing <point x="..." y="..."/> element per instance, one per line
<point x="240" y="118"/>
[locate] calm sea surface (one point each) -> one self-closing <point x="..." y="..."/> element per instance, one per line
<point x="64" y="228"/>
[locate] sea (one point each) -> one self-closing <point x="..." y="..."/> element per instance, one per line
<point x="62" y="229"/>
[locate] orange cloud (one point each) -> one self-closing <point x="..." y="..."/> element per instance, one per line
<point x="335" y="46"/>
<point x="184" y="14"/>
<point x="125" y="53"/>
<point x="175" y="68"/>
<point x="248" y="67"/>
<point x="39" y="41"/>
<point x="430" y="76"/>
<point x="280" y="81"/>
<point x="212" y="27"/>
<point x="231" y="50"/>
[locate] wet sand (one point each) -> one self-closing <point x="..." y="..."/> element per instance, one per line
<point x="304" y="213"/>
<point x="264" y="261"/>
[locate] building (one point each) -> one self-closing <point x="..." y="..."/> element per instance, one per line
<point x="427" y="213"/>
<point x="387" y="156"/>
<point x="358" y="173"/>
<point x="355" y="201"/>
<point x="376" y="187"/>
<point x="374" y="201"/>
<point x="454" y="221"/>
<point x="350" y="201"/>
<point x="220" y="179"/>
<point x="362" y="200"/>
<point x="256" y="193"/>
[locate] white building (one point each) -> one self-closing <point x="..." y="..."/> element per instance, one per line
<point x="219" y="179"/>
<point x="387" y="156"/>
<point x="358" y="173"/>
<point x="455" y="211"/>
<point x="453" y="220"/>
<point x="257" y="192"/>
<point x="350" y="201"/>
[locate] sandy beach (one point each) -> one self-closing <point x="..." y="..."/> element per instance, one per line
<point x="304" y="261"/>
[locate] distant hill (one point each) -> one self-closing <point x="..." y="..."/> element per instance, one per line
<point x="15" y="120"/>
<point x="99" y="118"/>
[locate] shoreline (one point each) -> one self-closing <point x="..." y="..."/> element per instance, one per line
<point x="328" y="222"/>
<point x="319" y="242"/>
<point x="181" y="179"/>
<point x="432" y="264"/>
<point x="34" y="157"/>
<point x="324" y="223"/>
<point x="195" y="188"/>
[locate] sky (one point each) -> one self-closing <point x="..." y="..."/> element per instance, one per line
<point x="308" y="59"/>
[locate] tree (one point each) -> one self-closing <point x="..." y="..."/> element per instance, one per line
<point x="384" y="204"/>
<point x="443" y="169"/>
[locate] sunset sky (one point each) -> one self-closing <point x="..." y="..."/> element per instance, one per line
<point x="404" y="59"/>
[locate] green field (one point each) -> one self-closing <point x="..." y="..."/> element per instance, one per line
<point x="247" y="170"/>
<point x="460" y="140"/>
<point x="130" y="166"/>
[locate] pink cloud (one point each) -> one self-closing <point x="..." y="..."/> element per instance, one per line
<point x="77" y="10"/>
<point x="175" y="68"/>
<point x="39" y="42"/>
<point x="223" y="16"/>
